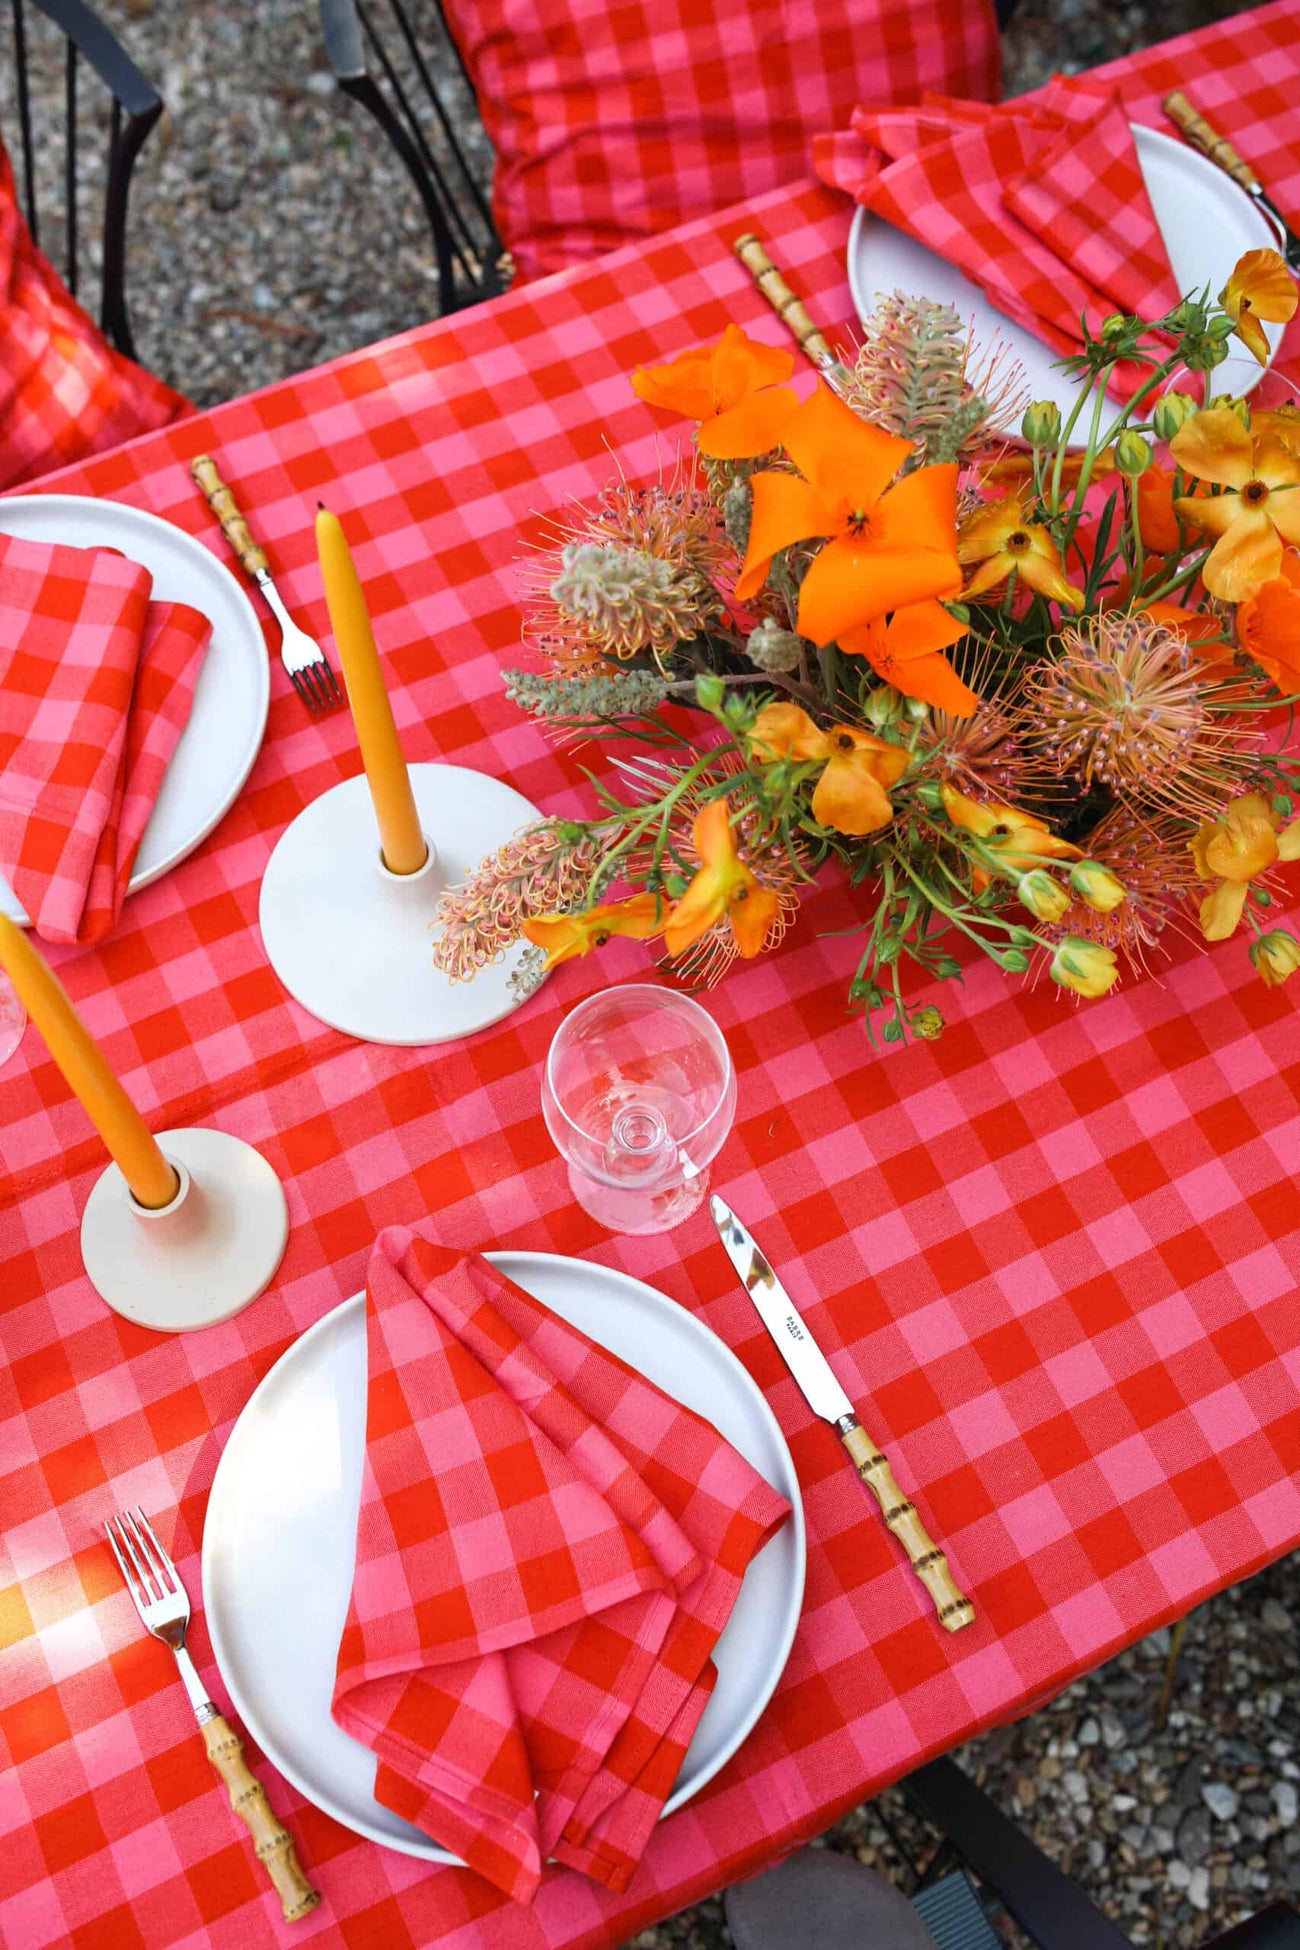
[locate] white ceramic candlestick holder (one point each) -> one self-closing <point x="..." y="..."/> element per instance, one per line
<point x="352" y="942"/>
<point x="201" y="1258"/>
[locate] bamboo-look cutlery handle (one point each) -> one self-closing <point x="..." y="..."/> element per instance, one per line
<point x="788" y="308"/>
<point x="273" y="1843"/>
<point x="928" y="1561"/>
<point x="226" y="509"/>
<point x="1207" y="139"/>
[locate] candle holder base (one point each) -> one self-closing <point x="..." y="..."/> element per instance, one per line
<point x="201" y="1258"/>
<point x="352" y="942"/>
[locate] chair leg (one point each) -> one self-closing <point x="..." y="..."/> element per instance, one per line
<point x="1054" y="1911"/>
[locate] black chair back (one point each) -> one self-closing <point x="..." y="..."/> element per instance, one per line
<point x="405" y="69"/>
<point x="135" y="106"/>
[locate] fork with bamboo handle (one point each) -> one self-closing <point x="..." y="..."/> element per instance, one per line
<point x="164" y="1607"/>
<point x="304" y="661"/>
<point x="789" y="308"/>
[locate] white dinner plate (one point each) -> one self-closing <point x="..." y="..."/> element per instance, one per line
<point x="280" y="1532"/>
<point x="1206" y="223"/>
<point x="216" y="750"/>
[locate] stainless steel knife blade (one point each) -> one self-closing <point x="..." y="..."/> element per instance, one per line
<point x="782" y="1319"/>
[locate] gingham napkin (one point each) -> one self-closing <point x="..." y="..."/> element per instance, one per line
<point x="547" y="1550"/>
<point x="1043" y="204"/>
<point x="96" y="687"/>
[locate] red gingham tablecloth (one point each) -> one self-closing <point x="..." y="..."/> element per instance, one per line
<point x="1054" y="1255"/>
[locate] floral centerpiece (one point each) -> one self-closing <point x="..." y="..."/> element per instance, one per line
<point x="1032" y="700"/>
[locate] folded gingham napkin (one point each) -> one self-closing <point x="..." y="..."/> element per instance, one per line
<point x="547" y="1550"/>
<point x="96" y="687"/>
<point x="1042" y="204"/>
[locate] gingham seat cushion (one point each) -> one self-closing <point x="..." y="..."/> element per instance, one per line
<point x="615" y="119"/>
<point x="64" y="392"/>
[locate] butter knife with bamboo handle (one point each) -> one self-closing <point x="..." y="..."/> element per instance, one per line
<point x="825" y="1397"/>
<point x="1204" y="136"/>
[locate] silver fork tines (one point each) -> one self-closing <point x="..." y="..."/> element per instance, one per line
<point x="157" y="1594"/>
<point x="308" y="667"/>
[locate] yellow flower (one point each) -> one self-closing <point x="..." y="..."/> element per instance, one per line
<point x="1097" y="887"/>
<point x="724" y="885"/>
<point x="999" y="538"/>
<point x="565" y="935"/>
<point x="1258" y="510"/>
<point x="1020" y="839"/>
<point x="1234" y="850"/>
<point x="1276" y="956"/>
<point x="1260" y="287"/>
<point x="852" y="794"/>
<point x="1084" y="966"/>
<point x="1045" y="898"/>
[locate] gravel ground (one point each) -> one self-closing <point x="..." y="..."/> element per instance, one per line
<point x="272" y="229"/>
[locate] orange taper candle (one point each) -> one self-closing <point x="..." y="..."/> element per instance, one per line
<point x="151" y="1179"/>
<point x="401" y="841"/>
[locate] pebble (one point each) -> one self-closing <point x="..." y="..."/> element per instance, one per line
<point x="1274" y="1617"/>
<point x="1220" y="1799"/>
<point x="1286" y="1802"/>
<point x="1076" y="1786"/>
<point x="1194" y="1838"/>
<point x="1198" y="1890"/>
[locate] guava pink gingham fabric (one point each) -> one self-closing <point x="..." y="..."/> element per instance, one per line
<point x="1041" y="203"/>
<point x="1053" y="1257"/>
<point x="613" y="123"/>
<point x="547" y="1550"/>
<point x="96" y="687"/>
<point x="65" y="392"/>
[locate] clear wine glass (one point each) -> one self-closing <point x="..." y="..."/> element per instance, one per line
<point x="639" y="1093"/>
<point x="13" y="1019"/>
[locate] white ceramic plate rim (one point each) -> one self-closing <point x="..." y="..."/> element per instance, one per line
<point x="227" y="1659"/>
<point x="39" y="518"/>
<point x="1022" y="343"/>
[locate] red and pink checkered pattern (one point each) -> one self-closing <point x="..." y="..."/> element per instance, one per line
<point x="1041" y="203"/>
<point x="96" y="687"/>
<point x="547" y="1550"/>
<point x="64" y="391"/>
<point x="1053" y="1256"/>
<point x="613" y="123"/>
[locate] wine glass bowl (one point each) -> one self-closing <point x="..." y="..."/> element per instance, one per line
<point x="638" y="1093"/>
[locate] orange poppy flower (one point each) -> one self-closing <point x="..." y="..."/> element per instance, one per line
<point x="724" y="886"/>
<point x="1157" y="520"/>
<point x="852" y="794"/>
<point x="1260" y="287"/>
<point x="1268" y="625"/>
<point x="890" y="542"/>
<point x="999" y="538"/>
<point x="1233" y="850"/>
<point x="906" y="652"/>
<point x="732" y="388"/>
<point x="565" y="935"/>
<point x="1258" y="510"/>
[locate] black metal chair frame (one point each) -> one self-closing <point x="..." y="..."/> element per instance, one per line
<point x="467" y="246"/>
<point x="1053" y="1911"/>
<point x="136" y="106"/>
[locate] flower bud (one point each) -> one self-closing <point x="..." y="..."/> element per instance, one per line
<point x="1084" y="966"/>
<point x="1114" y="327"/>
<point x="1133" y="454"/>
<point x="929" y="793"/>
<point x="1097" y="886"/>
<point x="883" y="707"/>
<point x="710" y="692"/>
<point x="1014" y="960"/>
<point x="1170" y="413"/>
<point x="1041" y="425"/>
<point x="773" y="649"/>
<point x="926" y="1023"/>
<point x="1276" y="956"/>
<point x="1045" y="898"/>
